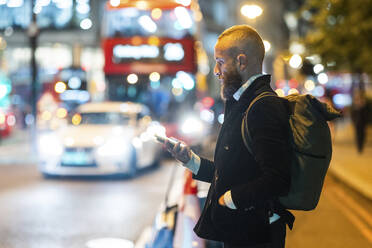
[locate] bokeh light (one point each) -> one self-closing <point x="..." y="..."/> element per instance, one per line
<point x="318" y="68"/>
<point x="295" y="61"/>
<point x="154" y="76"/>
<point x="177" y="91"/>
<point x="76" y="119"/>
<point x="156" y="13"/>
<point x="61" y="113"/>
<point x="251" y="11"/>
<point x="323" y="78"/>
<point x="153" y="41"/>
<point x="60" y="87"/>
<point x="132" y="78"/>
<point x="309" y="85"/>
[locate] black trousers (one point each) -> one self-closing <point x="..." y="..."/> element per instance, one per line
<point x="278" y="233"/>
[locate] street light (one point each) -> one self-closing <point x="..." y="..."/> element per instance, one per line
<point x="251" y="11"/>
<point x="295" y="61"/>
<point x="323" y="78"/>
<point x="318" y="68"/>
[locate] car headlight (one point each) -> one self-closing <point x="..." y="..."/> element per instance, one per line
<point x="114" y="147"/>
<point x="50" y="144"/>
<point x="193" y="126"/>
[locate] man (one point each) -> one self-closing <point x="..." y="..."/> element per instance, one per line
<point x="359" y="117"/>
<point x="242" y="209"/>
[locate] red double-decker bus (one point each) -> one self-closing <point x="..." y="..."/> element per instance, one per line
<point x="149" y="49"/>
<point x="151" y="56"/>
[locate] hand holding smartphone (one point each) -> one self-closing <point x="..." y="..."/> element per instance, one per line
<point x="182" y="151"/>
<point x="162" y="140"/>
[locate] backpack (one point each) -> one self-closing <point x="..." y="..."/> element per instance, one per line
<point x="312" y="148"/>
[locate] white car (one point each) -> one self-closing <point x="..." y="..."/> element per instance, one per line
<point x="103" y="139"/>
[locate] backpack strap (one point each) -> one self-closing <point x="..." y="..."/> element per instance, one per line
<point x="244" y="127"/>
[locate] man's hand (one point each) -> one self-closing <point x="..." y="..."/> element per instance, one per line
<point x="180" y="151"/>
<point x="221" y="200"/>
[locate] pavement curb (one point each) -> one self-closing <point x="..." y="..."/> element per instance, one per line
<point x="345" y="176"/>
<point x="352" y="168"/>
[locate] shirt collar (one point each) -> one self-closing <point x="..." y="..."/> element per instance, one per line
<point x="245" y="86"/>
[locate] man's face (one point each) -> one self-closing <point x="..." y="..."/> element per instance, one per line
<point x="226" y="71"/>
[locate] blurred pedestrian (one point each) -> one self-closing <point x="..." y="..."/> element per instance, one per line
<point x="359" y="116"/>
<point x="242" y="207"/>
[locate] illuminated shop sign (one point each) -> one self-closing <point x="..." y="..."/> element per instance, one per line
<point x="135" y="52"/>
<point x="167" y="53"/>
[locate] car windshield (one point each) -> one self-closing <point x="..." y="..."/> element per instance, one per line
<point x="104" y="118"/>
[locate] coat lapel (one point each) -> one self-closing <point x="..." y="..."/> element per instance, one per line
<point x="233" y="107"/>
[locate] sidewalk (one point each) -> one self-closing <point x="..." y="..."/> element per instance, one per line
<point x="348" y="165"/>
<point x="16" y="149"/>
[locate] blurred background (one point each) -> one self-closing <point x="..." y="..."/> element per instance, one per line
<point x="85" y="85"/>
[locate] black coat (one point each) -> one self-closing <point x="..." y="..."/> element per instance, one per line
<point x="255" y="181"/>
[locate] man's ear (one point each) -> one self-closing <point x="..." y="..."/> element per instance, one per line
<point x="242" y="62"/>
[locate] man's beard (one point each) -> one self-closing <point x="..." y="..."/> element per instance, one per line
<point x="231" y="83"/>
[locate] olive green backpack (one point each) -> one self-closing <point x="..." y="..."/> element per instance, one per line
<point x="312" y="146"/>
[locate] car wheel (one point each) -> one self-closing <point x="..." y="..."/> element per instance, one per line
<point x="46" y="176"/>
<point x="156" y="163"/>
<point x="49" y="176"/>
<point x="158" y="158"/>
<point x="133" y="164"/>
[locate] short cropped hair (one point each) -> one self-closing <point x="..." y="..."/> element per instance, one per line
<point x="247" y="37"/>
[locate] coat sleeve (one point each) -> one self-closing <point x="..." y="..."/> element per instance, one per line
<point x="206" y="171"/>
<point x="269" y="129"/>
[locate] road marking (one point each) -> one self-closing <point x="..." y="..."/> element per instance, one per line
<point x="354" y="205"/>
<point x="353" y="211"/>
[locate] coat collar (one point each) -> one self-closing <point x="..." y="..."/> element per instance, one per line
<point x="246" y="85"/>
<point x="256" y="87"/>
<point x="261" y="84"/>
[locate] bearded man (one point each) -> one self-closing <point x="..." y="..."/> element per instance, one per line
<point x="242" y="207"/>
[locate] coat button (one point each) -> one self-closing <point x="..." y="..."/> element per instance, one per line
<point x="249" y="209"/>
<point x="226" y="147"/>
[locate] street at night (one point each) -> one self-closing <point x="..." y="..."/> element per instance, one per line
<point x="185" y="123"/>
<point x="43" y="213"/>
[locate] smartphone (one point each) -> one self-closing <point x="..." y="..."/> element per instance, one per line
<point x="162" y="139"/>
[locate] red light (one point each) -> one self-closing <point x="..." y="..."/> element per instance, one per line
<point x="280" y="84"/>
<point x="293" y="83"/>
<point x="208" y="102"/>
